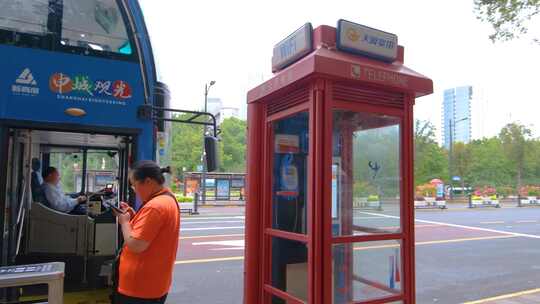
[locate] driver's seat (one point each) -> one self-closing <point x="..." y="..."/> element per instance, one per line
<point x="54" y="232"/>
<point x="37" y="183"/>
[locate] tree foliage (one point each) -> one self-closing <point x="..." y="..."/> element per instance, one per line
<point x="507" y="161"/>
<point x="186" y="146"/>
<point x="431" y="161"/>
<point x="509" y="18"/>
<point x="514" y="138"/>
<point x="461" y="160"/>
<point x="233" y="145"/>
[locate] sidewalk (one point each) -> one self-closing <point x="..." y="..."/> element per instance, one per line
<point x="214" y="210"/>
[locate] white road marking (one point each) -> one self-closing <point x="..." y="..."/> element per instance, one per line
<point x="532" y="236"/>
<point x="213" y="218"/>
<point x="230" y="245"/>
<point x="211" y="228"/>
<point x="216" y="222"/>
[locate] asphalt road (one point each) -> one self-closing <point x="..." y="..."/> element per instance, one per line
<point x="462" y="254"/>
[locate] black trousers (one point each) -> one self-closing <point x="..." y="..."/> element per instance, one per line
<point x="122" y="299"/>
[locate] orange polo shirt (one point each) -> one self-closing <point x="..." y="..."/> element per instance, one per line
<point x="148" y="274"/>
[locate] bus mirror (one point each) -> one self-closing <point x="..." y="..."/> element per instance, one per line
<point x="211" y="148"/>
<point x="162" y="97"/>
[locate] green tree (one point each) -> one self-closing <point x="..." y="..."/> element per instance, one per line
<point x="186" y="145"/>
<point x="509" y="18"/>
<point x="233" y="145"/>
<point x="489" y="164"/>
<point x="514" y="141"/>
<point x="461" y="161"/>
<point x="532" y="163"/>
<point x="430" y="159"/>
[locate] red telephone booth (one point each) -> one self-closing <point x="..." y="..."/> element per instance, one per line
<point x="330" y="206"/>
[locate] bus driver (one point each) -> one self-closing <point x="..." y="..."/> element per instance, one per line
<point x="55" y="195"/>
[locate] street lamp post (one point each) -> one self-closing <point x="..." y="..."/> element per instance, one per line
<point x="203" y="158"/>
<point x="450" y="154"/>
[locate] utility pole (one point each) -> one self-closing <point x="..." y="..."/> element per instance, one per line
<point x="203" y="158"/>
<point x="451" y="154"/>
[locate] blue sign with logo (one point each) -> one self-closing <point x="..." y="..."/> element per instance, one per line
<point x="39" y="86"/>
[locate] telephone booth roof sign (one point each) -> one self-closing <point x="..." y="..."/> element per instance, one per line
<point x="293" y="48"/>
<point x="363" y="40"/>
<point x="328" y="59"/>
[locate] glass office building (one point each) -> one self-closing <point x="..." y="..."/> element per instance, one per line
<point x="457" y="113"/>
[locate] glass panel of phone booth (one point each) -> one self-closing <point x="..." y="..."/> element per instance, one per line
<point x="366" y="175"/>
<point x="290" y="171"/>
<point x="289" y="268"/>
<point x="366" y="271"/>
<point x="290" y="150"/>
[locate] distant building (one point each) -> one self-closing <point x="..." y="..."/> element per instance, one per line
<point x="457" y="115"/>
<point x="228" y="112"/>
<point x="216" y="107"/>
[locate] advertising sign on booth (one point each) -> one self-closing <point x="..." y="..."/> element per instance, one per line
<point x="287" y="143"/>
<point x="363" y="40"/>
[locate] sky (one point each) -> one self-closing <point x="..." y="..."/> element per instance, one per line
<point x="231" y="42"/>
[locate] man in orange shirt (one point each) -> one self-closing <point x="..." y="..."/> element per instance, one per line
<point x="150" y="239"/>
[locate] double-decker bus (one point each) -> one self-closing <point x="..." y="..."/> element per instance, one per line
<point x="78" y="91"/>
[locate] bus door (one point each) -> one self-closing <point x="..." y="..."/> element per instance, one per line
<point x="86" y="243"/>
<point x="14" y="164"/>
<point x="17" y="190"/>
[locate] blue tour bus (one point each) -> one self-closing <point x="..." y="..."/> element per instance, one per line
<point x="79" y="92"/>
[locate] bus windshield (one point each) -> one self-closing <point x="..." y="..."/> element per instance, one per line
<point x="96" y="25"/>
<point x="69" y="165"/>
<point x="101" y="169"/>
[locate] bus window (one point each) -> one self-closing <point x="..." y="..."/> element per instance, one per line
<point x="70" y="165"/>
<point x="97" y="25"/>
<point x="102" y="160"/>
<point x="102" y="169"/>
<point x="24" y="16"/>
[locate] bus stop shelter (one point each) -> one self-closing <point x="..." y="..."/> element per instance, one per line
<point x="219" y="186"/>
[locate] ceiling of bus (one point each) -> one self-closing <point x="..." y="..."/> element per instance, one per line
<point x="76" y="139"/>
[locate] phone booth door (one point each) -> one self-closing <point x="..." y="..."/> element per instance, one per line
<point x="367" y="236"/>
<point x="287" y="180"/>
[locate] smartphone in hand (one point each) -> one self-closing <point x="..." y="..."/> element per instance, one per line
<point x="115" y="208"/>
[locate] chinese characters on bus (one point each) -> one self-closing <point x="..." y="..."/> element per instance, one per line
<point x="83" y="88"/>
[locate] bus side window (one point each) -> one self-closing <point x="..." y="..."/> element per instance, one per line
<point x="95" y="25"/>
